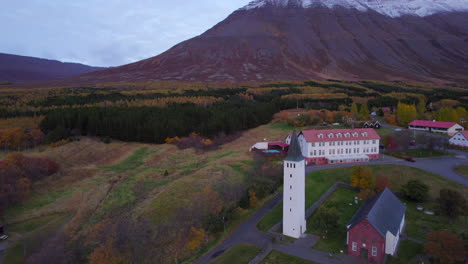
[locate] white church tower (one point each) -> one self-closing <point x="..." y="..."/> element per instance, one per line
<point x="294" y="222"/>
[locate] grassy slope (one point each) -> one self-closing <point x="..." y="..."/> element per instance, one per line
<point x="238" y="254"/>
<point x="276" y="257"/>
<point x="104" y="180"/>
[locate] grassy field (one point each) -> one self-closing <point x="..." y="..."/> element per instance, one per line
<point x="419" y="223"/>
<point x="35" y="231"/>
<point x="407" y="253"/>
<point x="276" y="257"/>
<point x="319" y="182"/>
<point x="238" y="254"/>
<point x="335" y="240"/>
<point x="419" y="153"/>
<point x="462" y="169"/>
<point x="32" y="224"/>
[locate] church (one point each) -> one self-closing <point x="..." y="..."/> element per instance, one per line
<point x="294" y="222"/>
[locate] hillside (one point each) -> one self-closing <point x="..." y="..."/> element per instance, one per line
<point x="299" y="40"/>
<point x="14" y="68"/>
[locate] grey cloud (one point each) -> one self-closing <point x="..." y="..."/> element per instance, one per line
<point x="102" y="32"/>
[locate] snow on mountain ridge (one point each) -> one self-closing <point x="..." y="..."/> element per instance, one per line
<point x="392" y="8"/>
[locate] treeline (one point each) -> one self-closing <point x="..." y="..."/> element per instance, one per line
<point x="97" y="96"/>
<point x="155" y="124"/>
<point x="17" y="173"/>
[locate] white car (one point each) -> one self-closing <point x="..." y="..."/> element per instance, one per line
<point x="398" y="129"/>
<point x="4" y="237"/>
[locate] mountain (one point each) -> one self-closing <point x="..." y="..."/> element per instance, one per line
<point x="14" y="68"/>
<point x="423" y="40"/>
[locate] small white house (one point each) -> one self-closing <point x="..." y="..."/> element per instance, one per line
<point x="460" y="139"/>
<point x="449" y="128"/>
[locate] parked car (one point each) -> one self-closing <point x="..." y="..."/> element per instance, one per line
<point x="398" y="129"/>
<point x="324" y="124"/>
<point x="412" y="143"/>
<point x="3" y="237"/>
<point x="410" y="159"/>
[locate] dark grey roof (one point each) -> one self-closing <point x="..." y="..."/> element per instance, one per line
<point x="384" y="212"/>
<point x="294" y="152"/>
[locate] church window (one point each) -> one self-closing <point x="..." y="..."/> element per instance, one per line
<point x="290" y="176"/>
<point x="290" y="209"/>
<point x="354" y="246"/>
<point x="374" y="251"/>
<point x="294" y="165"/>
<point x="290" y="187"/>
<point x="290" y="198"/>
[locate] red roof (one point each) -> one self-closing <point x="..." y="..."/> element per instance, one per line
<point x="465" y="134"/>
<point x="435" y="124"/>
<point x="280" y="144"/>
<point x="340" y="134"/>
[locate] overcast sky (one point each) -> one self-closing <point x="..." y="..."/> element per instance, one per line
<point x="105" y="32"/>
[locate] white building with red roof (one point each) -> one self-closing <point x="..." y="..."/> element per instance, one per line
<point x="449" y="128"/>
<point x="334" y="146"/>
<point x="460" y="139"/>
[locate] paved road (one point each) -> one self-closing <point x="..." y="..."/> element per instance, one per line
<point x="247" y="232"/>
<point x="442" y="166"/>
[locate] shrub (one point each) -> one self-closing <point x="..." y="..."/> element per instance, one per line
<point x="415" y="190"/>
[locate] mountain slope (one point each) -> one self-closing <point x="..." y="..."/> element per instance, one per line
<point x="14" y="68"/>
<point x="290" y="39"/>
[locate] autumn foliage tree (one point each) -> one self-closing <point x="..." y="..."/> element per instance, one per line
<point x="381" y="182"/>
<point x="362" y="177"/>
<point x="405" y="114"/>
<point x="444" y="247"/>
<point x="17" y="173"/>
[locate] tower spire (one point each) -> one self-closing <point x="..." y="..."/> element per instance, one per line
<point x="294" y="152"/>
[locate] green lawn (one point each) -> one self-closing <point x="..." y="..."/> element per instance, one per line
<point x="407" y="253"/>
<point x="462" y="169"/>
<point x="319" y="182"/>
<point x="384" y="131"/>
<point x="419" y="153"/>
<point x="276" y="257"/>
<point x="238" y="254"/>
<point x="418" y="224"/>
<point x="14" y="254"/>
<point x="32" y="224"/>
<point x="335" y="240"/>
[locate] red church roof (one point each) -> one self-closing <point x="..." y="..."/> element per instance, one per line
<point x="340" y="134"/>
<point x="435" y="124"/>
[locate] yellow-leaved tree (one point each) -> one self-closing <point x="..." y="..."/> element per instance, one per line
<point x="196" y="238"/>
<point x="362" y="177"/>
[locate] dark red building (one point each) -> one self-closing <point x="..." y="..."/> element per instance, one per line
<point x="376" y="227"/>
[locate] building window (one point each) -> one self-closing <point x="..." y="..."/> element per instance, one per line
<point x="290" y="187"/>
<point x="294" y="165"/>
<point x="354" y="246"/>
<point x="290" y="209"/>
<point x="290" y="176"/>
<point x="287" y="165"/>
<point x="290" y="198"/>
<point x="374" y="251"/>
